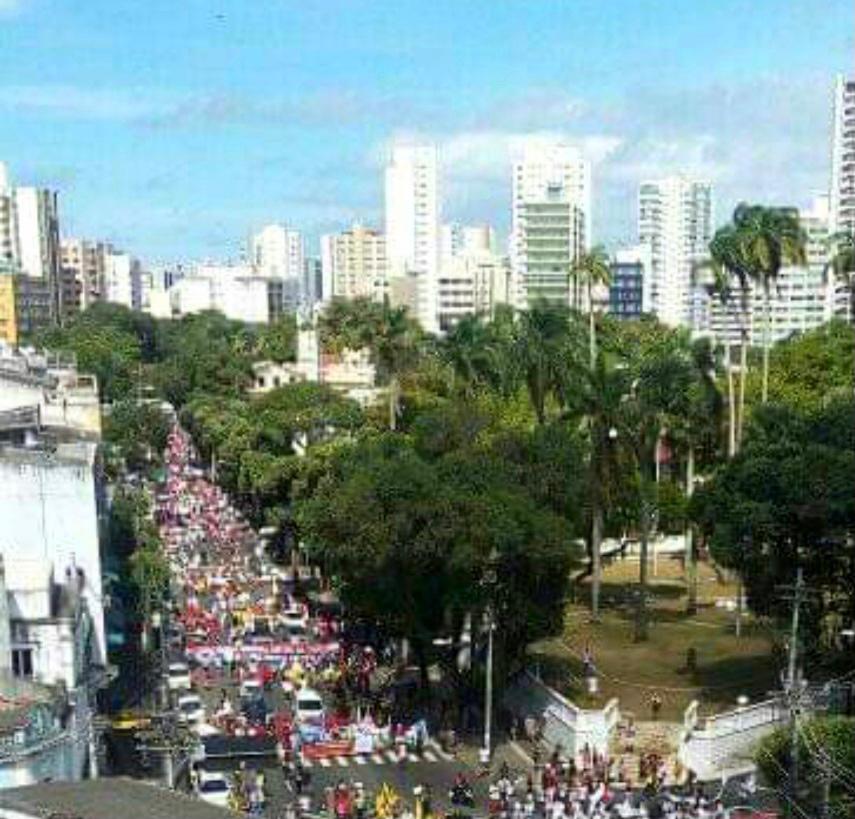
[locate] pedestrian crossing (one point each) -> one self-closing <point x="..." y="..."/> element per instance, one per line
<point x="389" y="757"/>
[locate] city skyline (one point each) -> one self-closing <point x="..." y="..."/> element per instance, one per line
<point x="182" y="157"/>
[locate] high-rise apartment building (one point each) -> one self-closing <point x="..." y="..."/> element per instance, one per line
<point x="9" y="252"/>
<point x="412" y="229"/>
<point x="629" y="288"/>
<point x="354" y="264"/>
<point x="123" y="280"/>
<point x="551" y="220"/>
<point x="37" y="217"/>
<point x="84" y="270"/>
<point x="277" y="252"/>
<point x="842" y="192"/>
<point x="675" y="219"/>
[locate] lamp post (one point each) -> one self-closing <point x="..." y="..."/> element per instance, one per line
<point x="490" y="583"/>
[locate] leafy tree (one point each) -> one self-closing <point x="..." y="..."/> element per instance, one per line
<point x="841" y="265"/>
<point x="409" y="542"/>
<point x="111" y="354"/>
<point x="278" y="341"/>
<point x="391" y="336"/>
<point x="204" y="354"/>
<point x="138" y="431"/>
<point x="786" y="501"/>
<point x="810" y="369"/>
<point x="826" y="752"/>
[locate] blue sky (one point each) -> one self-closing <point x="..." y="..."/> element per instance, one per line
<point x="174" y="127"/>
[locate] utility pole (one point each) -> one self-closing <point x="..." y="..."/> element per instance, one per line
<point x="488" y="689"/>
<point x="793" y="695"/>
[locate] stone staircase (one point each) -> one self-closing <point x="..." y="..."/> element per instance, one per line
<point x="660" y="738"/>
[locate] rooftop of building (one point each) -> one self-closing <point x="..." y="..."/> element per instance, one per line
<point x="51" y="453"/>
<point x="107" y="798"/>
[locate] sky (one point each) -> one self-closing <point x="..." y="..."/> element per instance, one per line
<point x="173" y="128"/>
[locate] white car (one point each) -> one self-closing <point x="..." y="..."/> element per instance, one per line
<point x="191" y="711"/>
<point x="308" y="706"/>
<point x="178" y="677"/>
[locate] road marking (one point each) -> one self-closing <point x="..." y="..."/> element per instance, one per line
<point x="392" y="756"/>
<point x="325" y="763"/>
<point x="412" y="758"/>
<point x="378" y="759"/>
<point x="342" y="761"/>
<point x="307" y="763"/>
<point x="430" y="756"/>
<point x="360" y="760"/>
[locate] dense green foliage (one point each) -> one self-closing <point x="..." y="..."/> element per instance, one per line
<point x="548" y="428"/>
<point x="826" y="752"/>
<point x="135" y="544"/>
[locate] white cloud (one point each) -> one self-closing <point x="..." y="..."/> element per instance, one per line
<point x="10" y="6"/>
<point x="75" y="102"/>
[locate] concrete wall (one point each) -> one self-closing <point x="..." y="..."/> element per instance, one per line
<point x="563" y="722"/>
<point x="48" y="511"/>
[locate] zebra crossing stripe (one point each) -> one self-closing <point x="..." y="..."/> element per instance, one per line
<point x="307" y="763"/>
<point x="412" y="758"/>
<point x="437" y="750"/>
<point x="325" y="763"/>
<point x="429" y="756"/>
<point x="360" y="760"/>
<point x="377" y="759"/>
<point x="342" y="761"/>
<point x="391" y="756"/>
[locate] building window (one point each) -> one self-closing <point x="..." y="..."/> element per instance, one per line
<point x="22" y="662"/>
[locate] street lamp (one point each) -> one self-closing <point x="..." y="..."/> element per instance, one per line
<point x="490" y="582"/>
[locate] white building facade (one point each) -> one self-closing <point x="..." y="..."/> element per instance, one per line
<point x="675" y="220"/>
<point x="277" y="252"/>
<point x="37" y="215"/>
<point x="123" y="280"/>
<point x="354" y="264"/>
<point x="412" y="229"/>
<point x="551" y="220"/>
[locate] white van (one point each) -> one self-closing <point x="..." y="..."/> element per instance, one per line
<point x="308" y="706"/>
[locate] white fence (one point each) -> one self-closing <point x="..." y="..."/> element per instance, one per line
<point x="725" y="742"/>
<point x="563" y="722"/>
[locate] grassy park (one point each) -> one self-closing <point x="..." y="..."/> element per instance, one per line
<point x="726" y="666"/>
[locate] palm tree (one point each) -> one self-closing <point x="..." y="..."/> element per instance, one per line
<point x="467" y="349"/>
<point x="841" y="265"/>
<point x="543" y="341"/>
<point x="394" y="349"/>
<point x="770" y="238"/>
<point x="602" y="401"/>
<point x="716" y="281"/>
<point x="591" y="269"/>
<point x="730" y="265"/>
